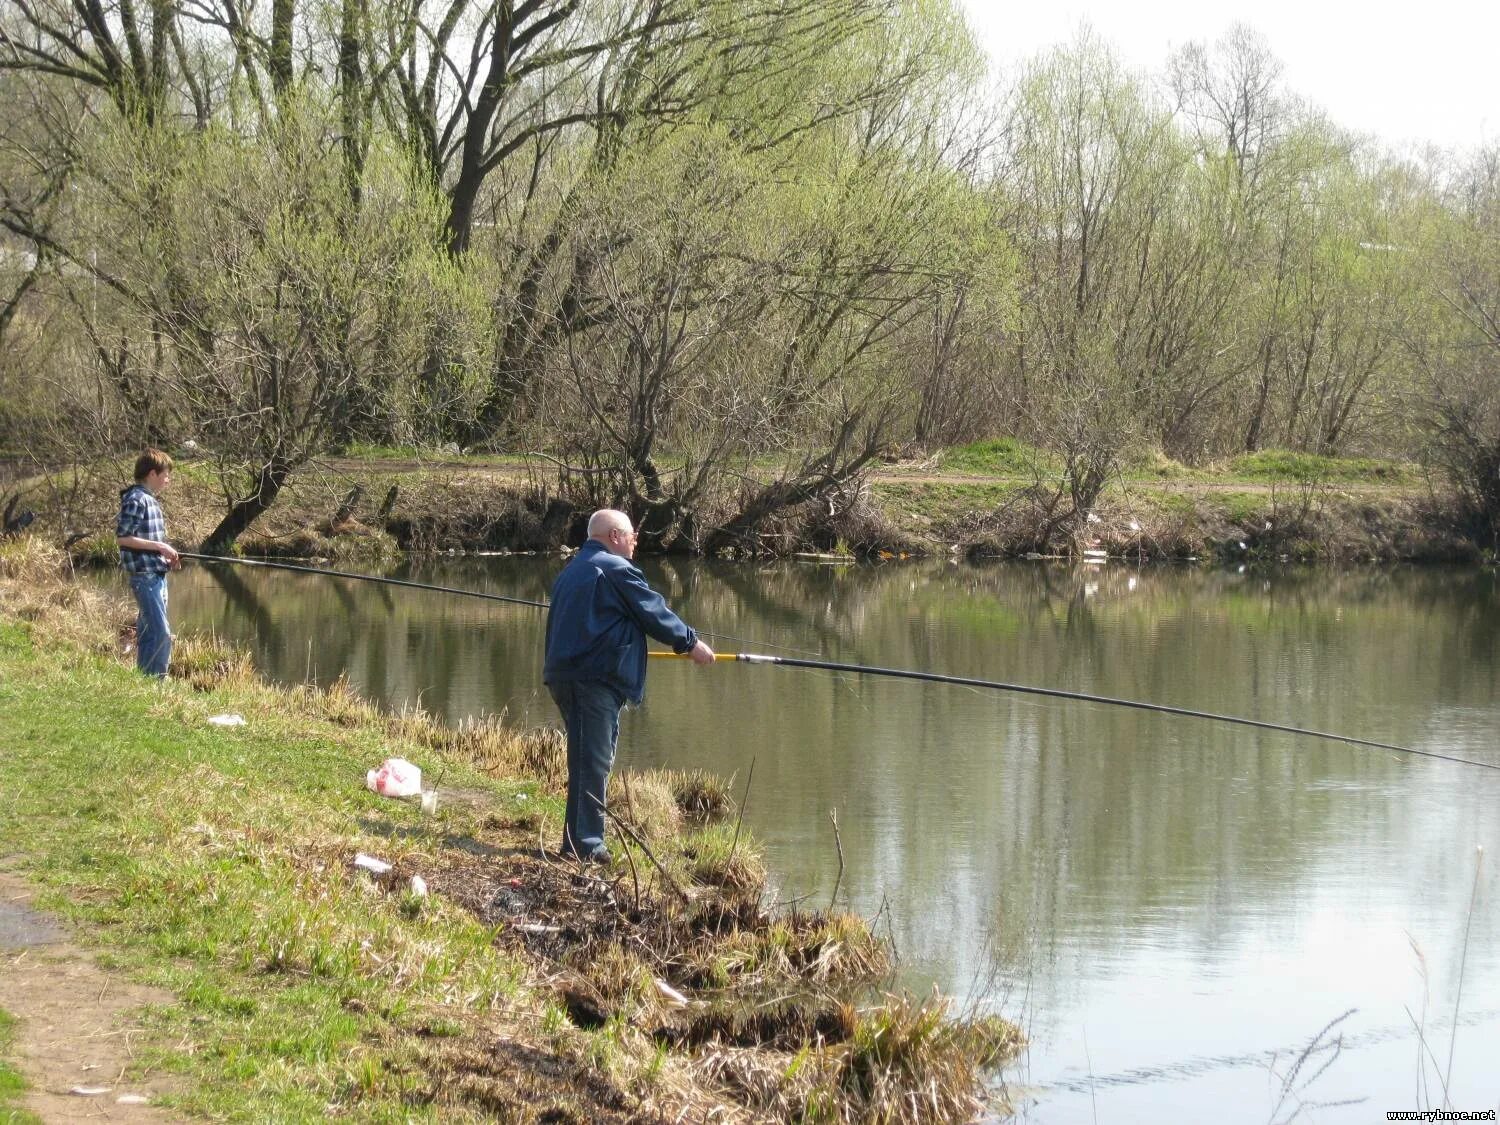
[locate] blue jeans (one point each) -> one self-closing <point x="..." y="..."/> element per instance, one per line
<point x="153" y="639"/>
<point x="591" y="714"/>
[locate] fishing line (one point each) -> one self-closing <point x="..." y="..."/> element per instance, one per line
<point x="366" y="578"/>
<point x="1077" y="696"/>
<point x="326" y="573"/>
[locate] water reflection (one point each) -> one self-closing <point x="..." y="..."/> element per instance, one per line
<point x="1174" y="901"/>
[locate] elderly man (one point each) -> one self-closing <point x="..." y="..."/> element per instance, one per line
<point x="601" y="614"/>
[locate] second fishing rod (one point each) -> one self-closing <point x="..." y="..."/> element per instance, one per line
<point x="892" y="673"/>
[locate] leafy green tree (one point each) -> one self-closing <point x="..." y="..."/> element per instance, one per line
<point x="269" y="303"/>
<point x="1456" y="398"/>
<point x="1094" y="170"/>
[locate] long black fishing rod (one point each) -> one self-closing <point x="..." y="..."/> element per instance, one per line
<point x="871" y="670"/>
<point x="460" y="591"/>
<point x="363" y="578"/>
<point x="1077" y="696"/>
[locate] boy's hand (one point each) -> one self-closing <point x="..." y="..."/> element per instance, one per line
<point x="701" y="653"/>
<point x="169" y="553"/>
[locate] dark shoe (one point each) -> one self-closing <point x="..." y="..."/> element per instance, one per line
<point x="600" y="854"/>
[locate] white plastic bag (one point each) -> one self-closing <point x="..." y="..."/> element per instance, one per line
<point x="371" y="864"/>
<point x="396" y="777"/>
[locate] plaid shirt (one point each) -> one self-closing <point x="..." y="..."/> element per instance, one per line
<point x="141" y="516"/>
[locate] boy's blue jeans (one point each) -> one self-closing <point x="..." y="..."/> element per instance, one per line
<point x="591" y="714"/>
<point x="153" y="639"/>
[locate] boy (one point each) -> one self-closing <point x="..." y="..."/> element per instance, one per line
<point x="146" y="556"/>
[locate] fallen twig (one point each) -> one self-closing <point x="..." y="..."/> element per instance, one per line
<point x="640" y="843"/>
<point x="833" y="815"/>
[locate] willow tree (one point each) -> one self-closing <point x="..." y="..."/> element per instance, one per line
<point x="269" y="304"/>
<point x="1095" y="170"/>
<point x="1456" y="398"/>
<point x="747" y="290"/>
<point x="518" y="110"/>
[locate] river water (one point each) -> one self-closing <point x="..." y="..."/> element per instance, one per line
<point x="1173" y="909"/>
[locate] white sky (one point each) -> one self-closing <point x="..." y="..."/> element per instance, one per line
<point x="1418" y="71"/>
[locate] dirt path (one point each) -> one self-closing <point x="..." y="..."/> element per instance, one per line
<point x="74" y="1021"/>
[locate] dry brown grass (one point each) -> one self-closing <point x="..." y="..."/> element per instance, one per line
<point x="489" y="744"/>
<point x="902" y="1062"/>
<point x="209" y="662"/>
<point x="702" y="797"/>
<point x="35" y="587"/>
<point x="649" y="802"/>
<point x="910" y="1060"/>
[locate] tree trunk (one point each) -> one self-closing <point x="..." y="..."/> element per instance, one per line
<point x="351" y="110"/>
<point x="245" y="511"/>
<point x="280" y="63"/>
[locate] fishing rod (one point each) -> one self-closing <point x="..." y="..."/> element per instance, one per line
<point x="363" y="578"/>
<point x="871" y="670"/>
<point x="460" y="591"/>
<point x="1077" y="696"/>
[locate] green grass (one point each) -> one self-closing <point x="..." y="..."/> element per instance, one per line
<point x="1241" y="506"/>
<point x="941" y="500"/>
<point x="12" y="1084"/>
<point x="214" y="863"/>
<point x="1005" y="457"/>
<point x="368" y="451"/>
<point x="1285" y="465"/>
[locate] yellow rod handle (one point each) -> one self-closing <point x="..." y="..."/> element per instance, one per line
<point x="685" y="656"/>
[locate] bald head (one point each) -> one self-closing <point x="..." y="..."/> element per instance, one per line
<point x="612" y="529"/>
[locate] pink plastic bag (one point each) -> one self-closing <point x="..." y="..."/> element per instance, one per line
<point x="396" y="777"/>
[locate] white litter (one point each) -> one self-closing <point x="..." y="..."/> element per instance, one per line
<point x="396" y="777"/>
<point x="88" y="1091"/>
<point x="371" y="864"/>
<point x="419" y="886"/>
<point x="670" y="994"/>
<point x="230" y="720"/>
<point x="132" y="1099"/>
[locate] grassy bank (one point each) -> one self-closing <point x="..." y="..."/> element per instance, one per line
<point x="987" y="499"/>
<point x="991" y="499"/>
<point x="217" y="862"/>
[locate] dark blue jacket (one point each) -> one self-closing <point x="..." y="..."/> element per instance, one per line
<point x="601" y="614"/>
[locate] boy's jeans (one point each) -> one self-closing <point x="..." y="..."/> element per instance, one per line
<point x="591" y="713"/>
<point x="153" y="639"/>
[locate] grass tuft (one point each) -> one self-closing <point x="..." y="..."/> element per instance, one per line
<point x="210" y="662"/>
<point x="701" y="797"/>
<point x="910" y="1061"/>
